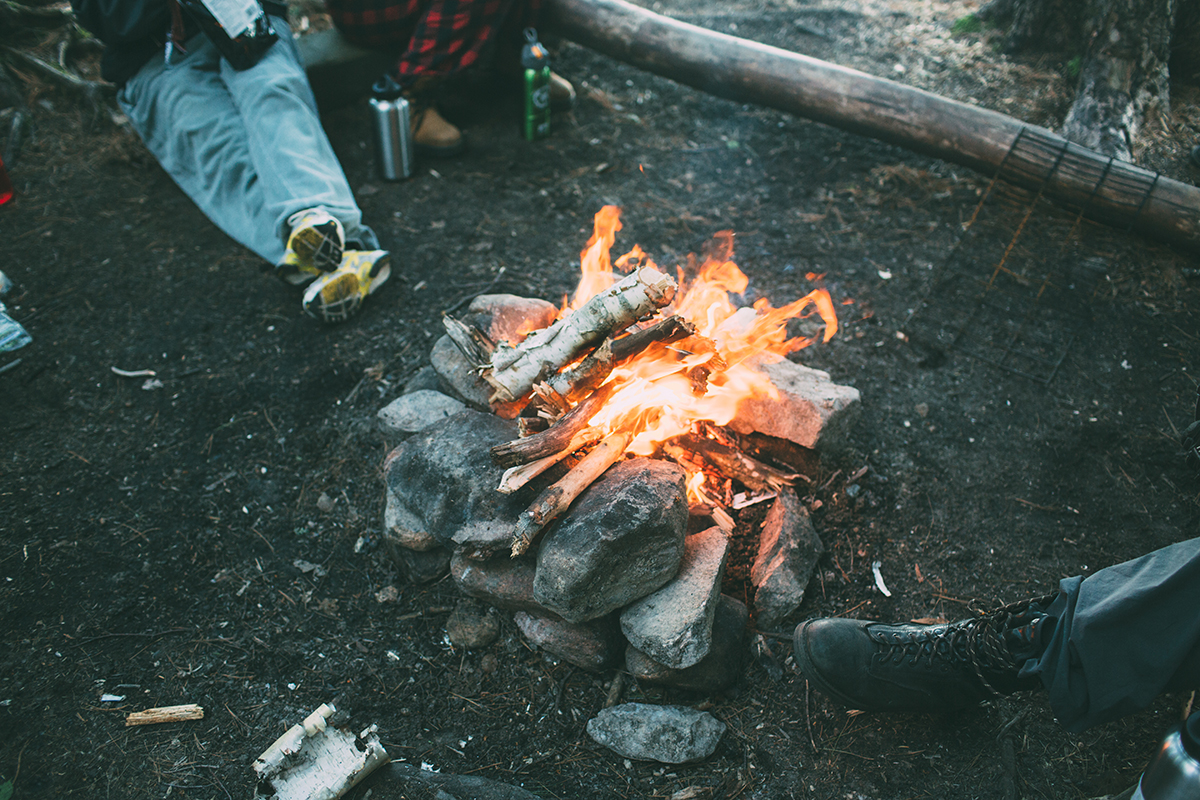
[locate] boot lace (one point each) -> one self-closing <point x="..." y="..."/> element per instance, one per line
<point x="975" y="643"/>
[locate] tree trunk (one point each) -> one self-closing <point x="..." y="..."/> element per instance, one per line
<point x="1123" y="47"/>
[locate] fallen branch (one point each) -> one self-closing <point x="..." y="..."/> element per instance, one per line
<point x="92" y="91"/>
<point x="750" y="72"/>
<point x="474" y="344"/>
<point x="557" y="498"/>
<point x="515" y="369"/>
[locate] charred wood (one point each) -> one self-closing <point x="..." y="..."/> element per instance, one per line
<point x="595" y="369"/>
<point x="557" y="437"/>
<point x="728" y="461"/>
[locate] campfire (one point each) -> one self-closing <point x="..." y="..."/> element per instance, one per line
<point x="632" y="364"/>
<point x="583" y="465"/>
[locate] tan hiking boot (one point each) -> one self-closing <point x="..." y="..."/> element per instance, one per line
<point x="434" y="136"/>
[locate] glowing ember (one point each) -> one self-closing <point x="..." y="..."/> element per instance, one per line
<point x="665" y="390"/>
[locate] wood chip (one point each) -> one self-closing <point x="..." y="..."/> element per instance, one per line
<point x="153" y="716"/>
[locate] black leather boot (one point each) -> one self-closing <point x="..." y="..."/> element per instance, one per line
<point x="875" y="666"/>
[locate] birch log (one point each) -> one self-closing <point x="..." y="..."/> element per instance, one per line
<point x="749" y="72"/>
<point x="515" y="369"/>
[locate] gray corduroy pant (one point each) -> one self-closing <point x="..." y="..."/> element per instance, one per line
<point x="1122" y="636"/>
<point x="246" y="146"/>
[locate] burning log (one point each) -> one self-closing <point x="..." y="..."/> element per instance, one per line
<point x="516" y="477"/>
<point x="557" y="498"/>
<point x="515" y="369"/>
<point x="592" y="371"/>
<point x="729" y="461"/>
<point x="557" y="437"/>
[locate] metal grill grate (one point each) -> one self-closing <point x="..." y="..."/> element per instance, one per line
<point x="1021" y="279"/>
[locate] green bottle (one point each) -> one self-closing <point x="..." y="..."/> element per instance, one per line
<point x="535" y="122"/>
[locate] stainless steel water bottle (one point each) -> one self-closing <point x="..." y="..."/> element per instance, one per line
<point x="535" y="123"/>
<point x="393" y="135"/>
<point x="1174" y="771"/>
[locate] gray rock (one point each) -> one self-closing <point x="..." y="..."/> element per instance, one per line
<point x="443" y="483"/>
<point x="675" y="624"/>
<point x="622" y="539"/>
<point x="810" y="407"/>
<point x="788" y="549"/>
<point x="459" y="373"/>
<point x="472" y="625"/>
<point x="419" y="566"/>
<point x="502" y="581"/>
<point x="670" y="734"/>
<point x="594" y="645"/>
<point x="416" y="411"/>
<point x="718" y="670"/>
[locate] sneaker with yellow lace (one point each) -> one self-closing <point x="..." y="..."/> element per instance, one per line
<point x="315" y="245"/>
<point x="337" y="296"/>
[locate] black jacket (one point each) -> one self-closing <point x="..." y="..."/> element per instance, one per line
<point x="134" y="31"/>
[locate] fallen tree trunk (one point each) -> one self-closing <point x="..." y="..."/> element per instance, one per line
<point x="1112" y="192"/>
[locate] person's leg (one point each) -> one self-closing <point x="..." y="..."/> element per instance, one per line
<point x="291" y="155"/>
<point x="1122" y="636"/>
<point x="1102" y="646"/>
<point x="189" y="120"/>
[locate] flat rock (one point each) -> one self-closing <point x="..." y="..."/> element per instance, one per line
<point x="403" y="528"/>
<point x="622" y="539"/>
<point x="674" y="625"/>
<point x="417" y="410"/>
<point x="501" y="581"/>
<point x="718" y="670"/>
<point x="442" y="482"/>
<point x="595" y="645"/>
<point x="810" y="408"/>
<point x="788" y="550"/>
<point x="670" y="734"/>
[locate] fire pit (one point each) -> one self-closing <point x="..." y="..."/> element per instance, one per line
<point x="583" y="467"/>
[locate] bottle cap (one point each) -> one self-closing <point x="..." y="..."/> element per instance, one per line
<point x="386" y="88"/>
<point x="533" y="55"/>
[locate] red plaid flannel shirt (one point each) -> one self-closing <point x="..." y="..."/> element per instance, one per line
<point x="440" y="37"/>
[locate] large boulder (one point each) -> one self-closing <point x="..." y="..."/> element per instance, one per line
<point x="441" y="483"/>
<point x="622" y="539"/>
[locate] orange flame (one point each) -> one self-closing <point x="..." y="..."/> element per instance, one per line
<point x="706" y="377"/>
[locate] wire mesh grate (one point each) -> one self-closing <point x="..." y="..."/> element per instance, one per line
<point x="1019" y="282"/>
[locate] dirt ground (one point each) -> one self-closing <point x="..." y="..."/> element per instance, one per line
<point x="154" y="535"/>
